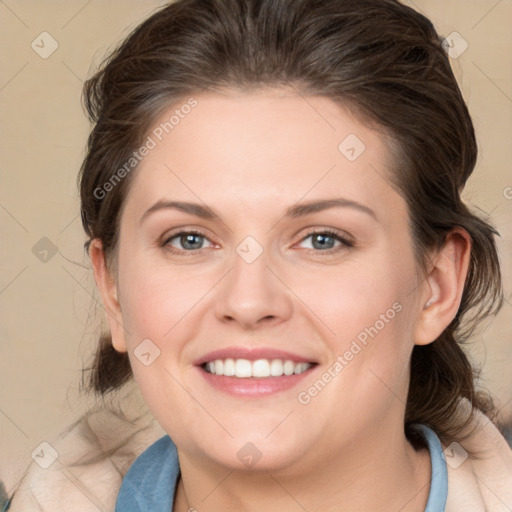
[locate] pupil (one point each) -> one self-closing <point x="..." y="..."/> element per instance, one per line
<point x="189" y="239"/>
<point x="322" y="239"/>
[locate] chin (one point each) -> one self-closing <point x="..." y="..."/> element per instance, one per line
<point x="252" y="449"/>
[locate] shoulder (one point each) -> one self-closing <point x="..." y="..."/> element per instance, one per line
<point x="479" y="470"/>
<point x="94" y="454"/>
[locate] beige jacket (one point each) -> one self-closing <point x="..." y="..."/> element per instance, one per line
<point x="97" y="451"/>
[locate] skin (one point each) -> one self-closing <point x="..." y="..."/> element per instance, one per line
<point x="249" y="156"/>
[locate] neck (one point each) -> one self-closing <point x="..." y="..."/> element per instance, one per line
<point x="366" y="475"/>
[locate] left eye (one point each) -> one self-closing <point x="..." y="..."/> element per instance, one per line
<point x="325" y="241"/>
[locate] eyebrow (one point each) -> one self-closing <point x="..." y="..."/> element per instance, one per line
<point x="301" y="209"/>
<point x="295" y="211"/>
<point x="193" y="208"/>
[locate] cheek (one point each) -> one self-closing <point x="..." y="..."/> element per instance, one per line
<point x="363" y="296"/>
<point x="157" y="306"/>
<point x="156" y="300"/>
<point x="368" y="369"/>
<point x="366" y="307"/>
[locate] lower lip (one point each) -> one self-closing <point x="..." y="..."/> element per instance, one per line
<point x="254" y="387"/>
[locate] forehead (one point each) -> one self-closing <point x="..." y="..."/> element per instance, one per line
<point x="263" y="148"/>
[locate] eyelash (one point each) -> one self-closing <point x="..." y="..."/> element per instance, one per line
<point x="345" y="242"/>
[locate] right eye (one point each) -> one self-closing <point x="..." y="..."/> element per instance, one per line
<point x="186" y="242"/>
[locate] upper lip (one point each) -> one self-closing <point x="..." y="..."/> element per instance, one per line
<point x="252" y="354"/>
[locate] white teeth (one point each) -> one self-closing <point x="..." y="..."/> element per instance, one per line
<point x="288" y="368"/>
<point x="276" y="368"/>
<point x="261" y="368"/>
<point x="301" y="367"/>
<point x="229" y="367"/>
<point x="243" y="368"/>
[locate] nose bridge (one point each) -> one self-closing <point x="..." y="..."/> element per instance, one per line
<point x="251" y="293"/>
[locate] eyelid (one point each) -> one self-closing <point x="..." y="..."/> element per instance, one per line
<point x="164" y="241"/>
<point x="346" y="240"/>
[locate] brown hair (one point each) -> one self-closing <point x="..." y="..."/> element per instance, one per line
<point x="380" y="59"/>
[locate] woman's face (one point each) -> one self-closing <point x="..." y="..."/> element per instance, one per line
<point x="300" y="260"/>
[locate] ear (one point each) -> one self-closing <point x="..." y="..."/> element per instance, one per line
<point x="444" y="286"/>
<point x="108" y="289"/>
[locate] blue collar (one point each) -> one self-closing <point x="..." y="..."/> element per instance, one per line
<point x="439" y="480"/>
<point x="151" y="481"/>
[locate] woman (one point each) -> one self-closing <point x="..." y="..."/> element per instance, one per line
<point x="272" y="198"/>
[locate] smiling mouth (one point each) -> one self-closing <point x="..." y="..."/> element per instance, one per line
<point x="260" y="368"/>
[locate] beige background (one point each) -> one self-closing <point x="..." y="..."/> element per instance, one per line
<point x="49" y="318"/>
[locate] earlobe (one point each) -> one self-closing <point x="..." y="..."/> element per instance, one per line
<point x="444" y="286"/>
<point x="108" y="290"/>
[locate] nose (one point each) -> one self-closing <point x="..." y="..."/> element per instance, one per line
<point x="252" y="295"/>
